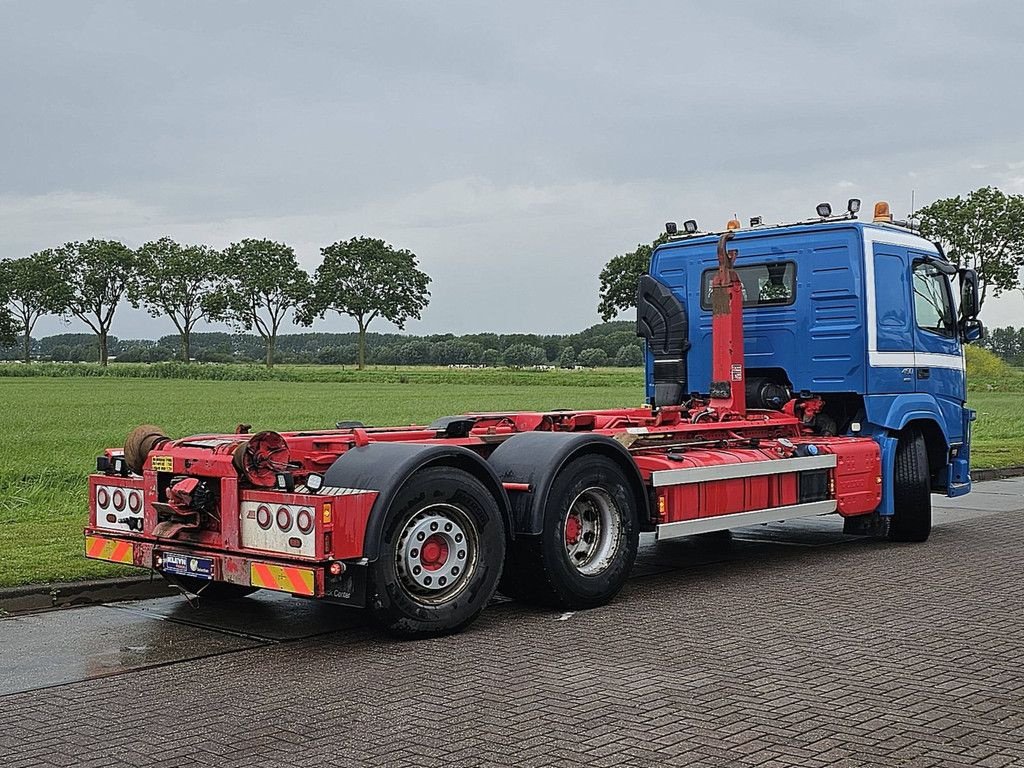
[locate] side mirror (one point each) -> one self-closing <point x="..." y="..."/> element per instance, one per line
<point x="971" y="330"/>
<point x="968" y="294"/>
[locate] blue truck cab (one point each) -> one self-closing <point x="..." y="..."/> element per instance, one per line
<point x="869" y="317"/>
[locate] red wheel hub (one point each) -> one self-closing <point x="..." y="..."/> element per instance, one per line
<point x="434" y="552"/>
<point x="573" y="528"/>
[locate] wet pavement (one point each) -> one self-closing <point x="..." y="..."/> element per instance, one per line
<point x="783" y="579"/>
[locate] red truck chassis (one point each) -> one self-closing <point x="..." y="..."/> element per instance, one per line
<point x="419" y="523"/>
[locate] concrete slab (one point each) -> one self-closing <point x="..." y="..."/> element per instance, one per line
<point x="46" y="649"/>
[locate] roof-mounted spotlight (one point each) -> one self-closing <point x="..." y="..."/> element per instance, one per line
<point x="824" y="210"/>
<point x="670" y="227"/>
<point x="853" y="206"/>
<point x="756" y="221"/>
<point x="690" y="226"/>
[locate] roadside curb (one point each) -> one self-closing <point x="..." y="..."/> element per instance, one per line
<point x="999" y="473"/>
<point x="42" y="597"/>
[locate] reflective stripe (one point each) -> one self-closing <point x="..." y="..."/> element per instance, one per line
<point x="284" y="578"/>
<point x="98" y="548"/>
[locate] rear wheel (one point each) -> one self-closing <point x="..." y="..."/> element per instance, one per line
<point x="441" y="555"/>
<point x="912" y="500"/>
<point x="589" y="540"/>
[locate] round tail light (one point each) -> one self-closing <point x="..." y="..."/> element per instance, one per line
<point x="119" y="500"/>
<point x="263" y="517"/>
<point x="284" y="519"/>
<point x="134" y="501"/>
<point x="304" y="520"/>
<point x="102" y="497"/>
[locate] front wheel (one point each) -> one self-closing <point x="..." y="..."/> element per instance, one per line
<point x="589" y="540"/>
<point x="441" y="555"/>
<point x="912" y="500"/>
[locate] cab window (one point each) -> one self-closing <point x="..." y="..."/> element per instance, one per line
<point x="762" y="284"/>
<point x="933" y="306"/>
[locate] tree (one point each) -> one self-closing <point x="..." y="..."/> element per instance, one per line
<point x="524" y="355"/>
<point x="983" y="231"/>
<point x="35" y="287"/>
<point x="568" y="357"/>
<point x="629" y="356"/>
<point x="366" y="278"/>
<point x="260" y="282"/>
<point x="621" y="276"/>
<point x="98" y="273"/>
<point x="177" y="281"/>
<point x="592" y="358"/>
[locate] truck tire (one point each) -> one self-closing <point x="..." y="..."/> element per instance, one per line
<point x="441" y="555"/>
<point x="212" y="591"/>
<point x="589" y="540"/>
<point x="912" y="500"/>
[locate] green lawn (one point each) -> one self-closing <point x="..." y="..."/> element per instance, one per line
<point x="998" y="439"/>
<point x="51" y="430"/>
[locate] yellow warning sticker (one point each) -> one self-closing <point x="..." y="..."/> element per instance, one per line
<point x="162" y="463"/>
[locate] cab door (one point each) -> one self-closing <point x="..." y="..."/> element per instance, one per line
<point x="939" y="361"/>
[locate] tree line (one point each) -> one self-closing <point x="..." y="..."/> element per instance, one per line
<point x="252" y="286"/>
<point x="614" y="344"/>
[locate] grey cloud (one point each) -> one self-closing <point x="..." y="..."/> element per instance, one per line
<point x="516" y="146"/>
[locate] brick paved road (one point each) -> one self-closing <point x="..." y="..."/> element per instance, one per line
<point x="813" y="651"/>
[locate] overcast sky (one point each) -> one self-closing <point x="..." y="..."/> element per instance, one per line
<point x="513" y="147"/>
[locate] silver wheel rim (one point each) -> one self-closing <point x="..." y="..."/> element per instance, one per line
<point x="436" y="553"/>
<point x="591" y="531"/>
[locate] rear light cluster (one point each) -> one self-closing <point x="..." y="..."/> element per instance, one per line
<point x="119" y="508"/>
<point x="270" y="526"/>
<point x="115" y="499"/>
<point x="286" y="518"/>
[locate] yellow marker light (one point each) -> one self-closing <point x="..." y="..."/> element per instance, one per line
<point x="733" y="224"/>
<point x="882" y="212"/>
<point x="328" y="514"/>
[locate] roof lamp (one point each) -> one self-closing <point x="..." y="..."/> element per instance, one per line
<point x="824" y="210"/>
<point x="690" y="226"/>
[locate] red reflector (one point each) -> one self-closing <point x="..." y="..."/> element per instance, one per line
<point x="295" y="541"/>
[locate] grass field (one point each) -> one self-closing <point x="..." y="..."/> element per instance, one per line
<point x="51" y="430"/>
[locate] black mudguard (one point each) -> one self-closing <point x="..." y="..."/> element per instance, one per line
<point x="384" y="467"/>
<point x="662" y="321"/>
<point x="535" y="458"/>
